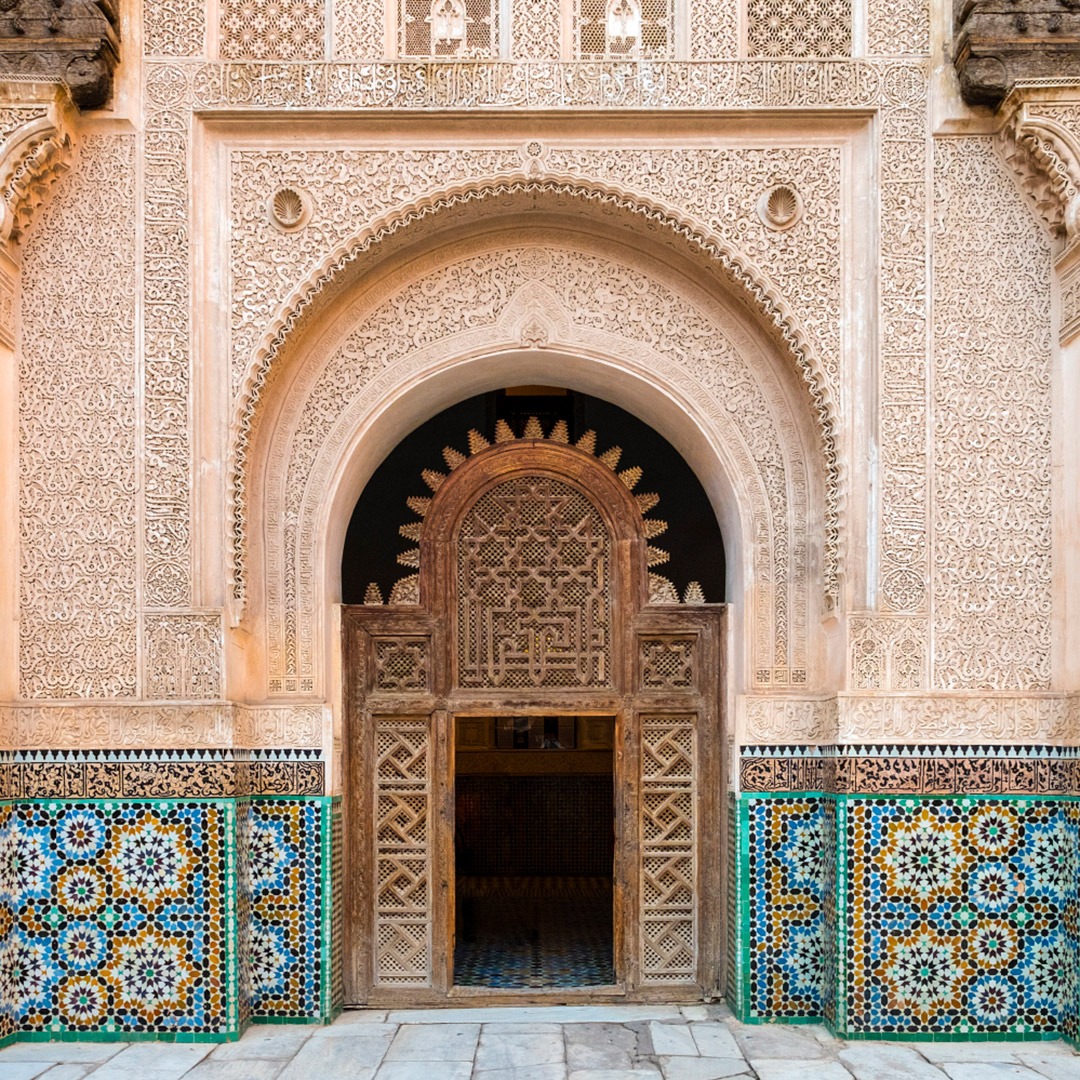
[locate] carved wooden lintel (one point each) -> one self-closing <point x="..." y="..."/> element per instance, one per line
<point x="35" y="151"/>
<point x="73" y="41"/>
<point x="999" y="43"/>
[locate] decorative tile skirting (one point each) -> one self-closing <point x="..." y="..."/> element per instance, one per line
<point x="941" y="917"/>
<point x="911" y="770"/>
<point x="786" y="883"/>
<point x="165" y="917"/>
<point x="156" y="774"/>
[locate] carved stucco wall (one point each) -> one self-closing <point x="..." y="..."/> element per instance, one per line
<point x="914" y="642"/>
<point x="993" y="573"/>
<point x="601" y="302"/>
<point x="541" y="30"/>
<point x="78" y="468"/>
<point x="718" y="188"/>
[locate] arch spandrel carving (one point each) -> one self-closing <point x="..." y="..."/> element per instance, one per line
<point x="661" y="339"/>
<point x="739" y="278"/>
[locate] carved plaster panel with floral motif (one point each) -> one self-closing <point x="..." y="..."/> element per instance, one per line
<point x="993" y="574"/>
<point x="888" y="652"/>
<point x="78" y="486"/>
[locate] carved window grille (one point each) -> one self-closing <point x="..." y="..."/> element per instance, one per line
<point x="667" y="664"/>
<point x="401" y="664"/>
<point x="455" y="29"/>
<point x="402" y="853"/>
<point x="624" y="28"/>
<point x="668" y="870"/>
<point x="795" y="29"/>
<point x="534" y="591"/>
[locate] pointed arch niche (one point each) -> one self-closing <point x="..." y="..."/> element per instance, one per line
<point x="532" y="291"/>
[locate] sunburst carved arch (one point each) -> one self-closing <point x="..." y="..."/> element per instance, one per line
<point x="752" y="284"/>
<point x="407" y="589"/>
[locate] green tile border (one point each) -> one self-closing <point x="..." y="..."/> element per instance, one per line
<point x="326" y="942"/>
<point x="69" y="1035"/>
<point x="741" y="1007"/>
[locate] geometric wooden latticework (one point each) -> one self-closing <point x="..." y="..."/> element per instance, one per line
<point x="402" y="852"/>
<point x="531" y="591"/>
<point x="401" y="664"/>
<point x="667" y="664"/>
<point x="668" y="849"/>
<point x="534" y="596"/>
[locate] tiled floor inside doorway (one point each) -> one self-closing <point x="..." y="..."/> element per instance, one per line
<point x="524" y="933"/>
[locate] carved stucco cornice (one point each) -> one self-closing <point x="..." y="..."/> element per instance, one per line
<point x="947" y="718"/>
<point x="162" y="725"/>
<point x="1044" y="154"/>
<point x="751" y="284"/>
<point x="36" y="149"/>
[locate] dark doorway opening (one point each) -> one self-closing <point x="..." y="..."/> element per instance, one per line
<point x="693" y="541"/>
<point x="534" y="849"/>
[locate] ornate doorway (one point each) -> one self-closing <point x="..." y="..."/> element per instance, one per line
<point x="532" y="597"/>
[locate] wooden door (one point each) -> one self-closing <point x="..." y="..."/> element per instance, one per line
<point x="531" y="597"/>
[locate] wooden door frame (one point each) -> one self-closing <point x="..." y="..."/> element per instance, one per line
<point x="364" y="711"/>
<point x="429" y="694"/>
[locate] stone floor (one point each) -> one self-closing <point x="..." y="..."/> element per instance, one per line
<point x="625" y="1042"/>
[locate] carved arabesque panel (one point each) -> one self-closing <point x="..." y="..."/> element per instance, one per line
<point x="534" y="593"/>
<point x="174" y="27"/>
<point x="903" y="374"/>
<point x="993" y="521"/>
<point x="898" y="27"/>
<point x="77" y="472"/>
<point x="402" y="852"/>
<point x="535" y="26"/>
<point x="888" y="653"/>
<point x="668" y="849"/>
<point x="714" y="30"/>
<point x="166" y="435"/>
<point x="359" y="30"/>
<point x="183" y="656"/>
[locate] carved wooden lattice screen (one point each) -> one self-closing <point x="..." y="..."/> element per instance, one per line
<point x="534" y="596"/>
<point x="668" y="849"/>
<point x="402" y="852"/>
